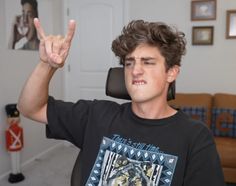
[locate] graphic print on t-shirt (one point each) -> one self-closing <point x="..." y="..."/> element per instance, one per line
<point x="120" y="162"/>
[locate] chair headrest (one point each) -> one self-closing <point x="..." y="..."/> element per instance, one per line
<point x="115" y="85"/>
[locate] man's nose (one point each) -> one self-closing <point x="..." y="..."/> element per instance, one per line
<point x="137" y="68"/>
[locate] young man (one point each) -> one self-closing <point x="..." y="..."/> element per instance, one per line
<point x="144" y="142"/>
<point x="24" y="34"/>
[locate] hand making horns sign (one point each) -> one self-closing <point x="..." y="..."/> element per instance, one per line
<point x="54" y="49"/>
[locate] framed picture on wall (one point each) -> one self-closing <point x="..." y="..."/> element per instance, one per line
<point x="203" y="10"/>
<point x="20" y="31"/>
<point x="231" y="24"/>
<point x="202" y="35"/>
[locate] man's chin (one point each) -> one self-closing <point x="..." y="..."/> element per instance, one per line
<point x="138" y="99"/>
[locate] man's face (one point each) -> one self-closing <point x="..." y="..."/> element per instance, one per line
<point x="146" y="77"/>
<point x="28" y="18"/>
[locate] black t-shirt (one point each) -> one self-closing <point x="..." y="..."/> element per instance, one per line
<point x="120" y="148"/>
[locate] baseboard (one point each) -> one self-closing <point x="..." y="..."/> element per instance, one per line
<point x="31" y="160"/>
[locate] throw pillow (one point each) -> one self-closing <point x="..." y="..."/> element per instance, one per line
<point x="224" y="122"/>
<point x="198" y="113"/>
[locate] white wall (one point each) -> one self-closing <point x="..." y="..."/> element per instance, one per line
<point x="204" y="68"/>
<point x="15" y="67"/>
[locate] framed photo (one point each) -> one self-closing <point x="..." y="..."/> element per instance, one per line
<point x="202" y="10"/>
<point x="202" y="35"/>
<point x="231" y="24"/>
<point x="20" y="31"/>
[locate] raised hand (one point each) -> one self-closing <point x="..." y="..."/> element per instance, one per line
<point x="54" y="49"/>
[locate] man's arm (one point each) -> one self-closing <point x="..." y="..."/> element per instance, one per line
<point x="53" y="52"/>
<point x="33" y="98"/>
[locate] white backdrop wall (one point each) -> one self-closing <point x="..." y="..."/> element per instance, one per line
<point x="15" y="67"/>
<point x="208" y="69"/>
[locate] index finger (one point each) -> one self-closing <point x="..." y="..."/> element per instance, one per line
<point x="39" y="28"/>
<point x="70" y="31"/>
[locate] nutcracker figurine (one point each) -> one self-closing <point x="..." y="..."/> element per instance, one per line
<point x="14" y="142"/>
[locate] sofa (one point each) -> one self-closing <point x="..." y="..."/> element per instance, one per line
<point x="218" y="111"/>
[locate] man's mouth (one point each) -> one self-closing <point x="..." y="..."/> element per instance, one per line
<point x="139" y="82"/>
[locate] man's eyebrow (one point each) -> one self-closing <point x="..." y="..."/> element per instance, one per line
<point x="130" y="59"/>
<point x="147" y="58"/>
<point x="141" y="58"/>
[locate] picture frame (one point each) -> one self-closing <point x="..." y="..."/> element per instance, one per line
<point x="231" y="24"/>
<point x="202" y="35"/>
<point x="202" y="10"/>
<point x="14" y="9"/>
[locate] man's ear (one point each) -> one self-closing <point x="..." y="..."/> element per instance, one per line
<point x="172" y="73"/>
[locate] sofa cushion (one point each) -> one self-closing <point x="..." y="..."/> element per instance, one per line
<point x="200" y="100"/>
<point x="224" y="115"/>
<point x="226" y="148"/>
<point x="223" y="122"/>
<point x="199" y="113"/>
<point x="222" y="100"/>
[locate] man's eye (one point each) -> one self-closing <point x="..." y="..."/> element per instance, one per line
<point x="148" y="62"/>
<point x="128" y="63"/>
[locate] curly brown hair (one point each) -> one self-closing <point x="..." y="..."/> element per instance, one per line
<point x="168" y="40"/>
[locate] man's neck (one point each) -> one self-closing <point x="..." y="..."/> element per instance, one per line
<point x="153" y="110"/>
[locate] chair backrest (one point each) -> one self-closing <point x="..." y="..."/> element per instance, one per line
<point x="115" y="87"/>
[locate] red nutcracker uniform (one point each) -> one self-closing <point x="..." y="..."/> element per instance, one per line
<point x="14" y="142"/>
<point x="14" y="138"/>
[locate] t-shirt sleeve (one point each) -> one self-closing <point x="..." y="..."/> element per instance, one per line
<point x="204" y="166"/>
<point x="67" y="120"/>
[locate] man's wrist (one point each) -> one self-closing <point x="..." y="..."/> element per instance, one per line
<point x="46" y="65"/>
<point x="42" y="60"/>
